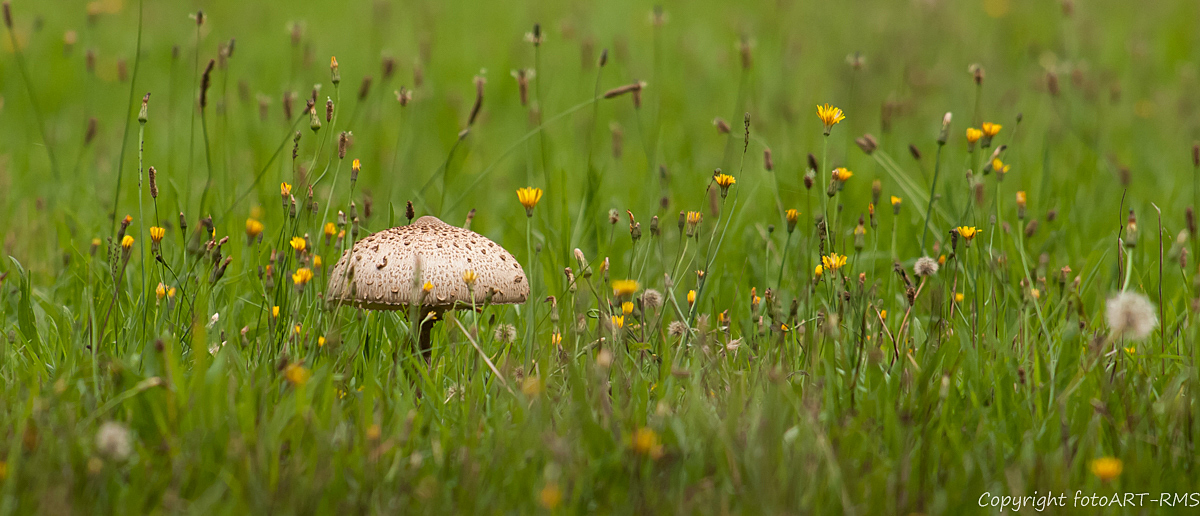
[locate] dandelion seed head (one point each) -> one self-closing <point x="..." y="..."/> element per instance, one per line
<point x="1131" y="315"/>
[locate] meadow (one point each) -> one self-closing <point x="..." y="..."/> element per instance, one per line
<point x="782" y="257"/>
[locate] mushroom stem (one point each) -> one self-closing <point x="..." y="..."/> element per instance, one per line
<point x="427" y="323"/>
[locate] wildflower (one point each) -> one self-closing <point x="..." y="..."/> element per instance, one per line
<point x="334" y="75"/>
<point x="958" y="297"/>
<point x="330" y="230"/>
<point x="157" y="234"/>
<point x="427" y="287"/>
<point x="160" y="291"/>
<point x="627" y="307"/>
<point x="829" y="116"/>
<point x="883" y="314"/>
<point x="254" y="228"/>
<point x="990" y="130"/>
<point x="833" y="262"/>
<point x="1106" y="468"/>
<point x="529" y="198"/>
<point x="724" y="181"/>
<point x="127" y="242"/>
<point x="302" y="276"/>
<point x="1131" y="315"/>
<point x="1035" y="293"/>
<point x="792" y="216"/>
<point x="968" y="232"/>
<point x="676" y="328"/>
<point x="651" y="299"/>
<point x="973" y="135"/>
<point x="275" y="312"/>
<point x="469" y="278"/>
<point x="693" y="219"/>
<point x="317" y="261"/>
<point x="691" y="297"/>
<point x="321" y="342"/>
<point x="285" y="191"/>
<point x="556" y="338"/>
<point x="1021" y="204"/>
<point x="505" y="333"/>
<point x="551" y="496"/>
<point x="1000" y="167"/>
<point x="841" y="174"/>
<point x="297" y="374"/>
<point x="618" y="321"/>
<point x="925" y="266"/>
<point x="113" y="441"/>
<point x="942" y="259"/>
<point x="646" y="442"/>
<point x="299" y="244"/>
<point x="296" y="329"/>
<point x="896" y="205"/>
<point x="818" y="271"/>
<point x="170" y="295"/>
<point x="625" y="287"/>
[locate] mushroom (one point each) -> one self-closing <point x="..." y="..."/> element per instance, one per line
<point x="422" y="265"/>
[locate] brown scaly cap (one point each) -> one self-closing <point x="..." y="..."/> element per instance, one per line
<point x="384" y="264"/>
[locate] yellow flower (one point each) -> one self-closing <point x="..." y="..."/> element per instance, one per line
<point x="1037" y="294"/>
<point x="551" y="496"/>
<point x="833" y="262"/>
<point x="646" y="442"/>
<point x="285" y="189"/>
<point x="321" y="342"/>
<point x="883" y="314"/>
<point x="157" y="234"/>
<point x="694" y="217"/>
<point x="171" y="293"/>
<point x="529" y="198"/>
<point x="302" y="276"/>
<point x="624" y="287"/>
<point x="618" y="321"/>
<point x="317" y="261"/>
<point x="860" y="230"/>
<point x="253" y="228"/>
<point x="829" y="115"/>
<point x="330" y="229"/>
<point x="427" y="287"/>
<point x="958" y="297"/>
<point x="299" y="244"/>
<point x="556" y="338"/>
<point x="896" y="200"/>
<point x="127" y="242"/>
<point x="818" y="271"/>
<point x="724" y="180"/>
<point x="1021" y="197"/>
<point x="990" y="129"/>
<point x="355" y="166"/>
<point x="469" y="277"/>
<point x="1131" y="350"/>
<point x="1000" y="167"/>
<point x="297" y="329"/>
<point x="297" y="374"/>
<point x="792" y="215"/>
<point x="627" y="307"/>
<point x="1107" y="468"/>
<point x="275" y="312"/>
<point x="841" y="174"/>
<point x="691" y="297"/>
<point x="973" y="135"/>
<point x="160" y="291"/>
<point x="968" y="232"/>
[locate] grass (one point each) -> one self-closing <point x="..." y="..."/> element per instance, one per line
<point x="778" y="390"/>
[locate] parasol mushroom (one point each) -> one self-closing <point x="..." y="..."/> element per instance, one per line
<point x="426" y="265"/>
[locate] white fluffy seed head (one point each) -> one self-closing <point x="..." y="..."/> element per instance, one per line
<point x="1131" y="315"/>
<point x="506" y="333"/>
<point x="925" y="266"/>
<point x="113" y="441"/>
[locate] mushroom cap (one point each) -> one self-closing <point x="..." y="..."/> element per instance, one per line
<point x="382" y="274"/>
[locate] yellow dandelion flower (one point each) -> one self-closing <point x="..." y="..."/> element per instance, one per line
<point x="618" y="321"/>
<point x="990" y="129"/>
<point x="694" y="217"/>
<point x="968" y="232"/>
<point x="302" y="276"/>
<point x="529" y="197"/>
<point x="958" y="297"/>
<point x="691" y="297"/>
<point x="253" y="228"/>
<point x="833" y="262"/>
<point x="127" y="242"/>
<point x="469" y="277"/>
<point x="285" y="189"/>
<point x="297" y="374"/>
<point x="829" y="116"/>
<point x="896" y="200"/>
<point x="171" y="293"/>
<point x="973" y="135"/>
<point x="1000" y="167"/>
<point x="317" y="261"/>
<point x="275" y="312"/>
<point x="330" y="229"/>
<point x="321" y="342"/>
<point x="355" y="166"/>
<point x="724" y="180"/>
<point x="297" y="329"/>
<point x="1021" y="197"/>
<point x="551" y="496"/>
<point x="625" y="287"/>
<point x="883" y="314"/>
<point x="1106" y="468"/>
<point x="157" y="234"/>
<point x="818" y="271"/>
<point x="646" y="442"/>
<point x="842" y="174"/>
<point x="299" y="244"/>
<point x="627" y="307"/>
<point x="160" y="291"/>
<point x="1131" y="350"/>
<point x="556" y="338"/>
<point x="792" y="214"/>
<point x="427" y="287"/>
